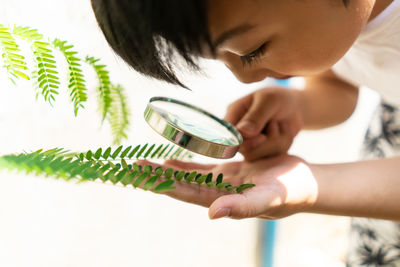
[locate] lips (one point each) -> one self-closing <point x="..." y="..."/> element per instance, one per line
<point x="283" y="77"/>
<point x="277" y="75"/>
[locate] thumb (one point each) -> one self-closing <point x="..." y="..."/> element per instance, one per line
<point x="257" y="116"/>
<point x="236" y="206"/>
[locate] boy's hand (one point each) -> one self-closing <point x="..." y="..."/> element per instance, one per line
<point x="284" y="185"/>
<point x="268" y="120"/>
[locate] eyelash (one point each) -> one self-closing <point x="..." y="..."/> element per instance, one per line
<point x="253" y="56"/>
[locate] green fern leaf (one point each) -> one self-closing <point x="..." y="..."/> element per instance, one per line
<point x="14" y="63"/>
<point x="107" y="153"/>
<point x="150" y="183"/>
<point x="243" y="187"/>
<point x="147" y="168"/>
<point x="223" y="185"/>
<point x="97" y="154"/>
<point x="119" y="113"/>
<point x="219" y="178"/>
<point x="211" y="184"/>
<point x="168" y="173"/>
<point x="89" y="155"/>
<point x="125" y="152"/>
<point x="129" y="178"/>
<point x="201" y="179"/>
<point x="77" y="83"/>
<point x="209" y="178"/>
<point x="60" y="163"/>
<point x="104" y="87"/>
<point x="124" y="164"/>
<point x="148" y="151"/>
<point x="162" y="151"/>
<point x="156" y="151"/>
<point x="164" y="186"/>
<point x="116" y="152"/>
<point x="121" y="175"/>
<point x="47" y="80"/>
<point x="141" y="151"/>
<point x="140" y="179"/>
<point x="179" y="175"/>
<point x="169" y="151"/>
<point x="158" y="171"/>
<point x="133" y="151"/>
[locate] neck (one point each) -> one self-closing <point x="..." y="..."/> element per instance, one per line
<point x="379" y="6"/>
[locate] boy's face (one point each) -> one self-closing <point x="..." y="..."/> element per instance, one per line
<point x="280" y="38"/>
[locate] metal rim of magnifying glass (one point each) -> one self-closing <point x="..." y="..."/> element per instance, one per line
<point x="187" y="140"/>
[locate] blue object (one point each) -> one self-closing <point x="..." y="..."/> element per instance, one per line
<point x="268" y="243"/>
<point x="269" y="228"/>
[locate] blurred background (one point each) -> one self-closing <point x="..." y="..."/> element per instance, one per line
<point x="45" y="222"/>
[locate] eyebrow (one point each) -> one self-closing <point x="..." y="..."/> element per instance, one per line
<point x="229" y="34"/>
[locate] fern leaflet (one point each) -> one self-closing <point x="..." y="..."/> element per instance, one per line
<point x="119" y="114"/>
<point x="13" y="60"/>
<point x="45" y="62"/>
<point x="76" y="79"/>
<point x="104" y="87"/>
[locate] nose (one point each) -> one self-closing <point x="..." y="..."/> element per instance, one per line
<point x="246" y="76"/>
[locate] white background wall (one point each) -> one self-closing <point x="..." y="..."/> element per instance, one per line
<point x="44" y="222"/>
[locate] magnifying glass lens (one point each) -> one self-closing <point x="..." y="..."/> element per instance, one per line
<point x="195" y="122"/>
<point x="192" y="128"/>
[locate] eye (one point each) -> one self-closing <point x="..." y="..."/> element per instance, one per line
<point x="253" y="56"/>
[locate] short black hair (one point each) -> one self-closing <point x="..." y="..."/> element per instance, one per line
<point x="147" y="33"/>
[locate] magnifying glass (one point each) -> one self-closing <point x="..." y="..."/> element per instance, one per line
<point x="192" y="128"/>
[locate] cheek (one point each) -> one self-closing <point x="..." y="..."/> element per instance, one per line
<point x="306" y="57"/>
<point x="310" y="51"/>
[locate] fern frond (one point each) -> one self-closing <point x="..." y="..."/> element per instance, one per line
<point x="45" y="62"/>
<point x="46" y="77"/>
<point x="75" y="75"/>
<point x="14" y="62"/>
<point x="59" y="164"/>
<point x="119" y="113"/>
<point x="136" y="153"/>
<point x="105" y="99"/>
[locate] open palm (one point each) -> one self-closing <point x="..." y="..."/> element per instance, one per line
<point x="281" y="185"/>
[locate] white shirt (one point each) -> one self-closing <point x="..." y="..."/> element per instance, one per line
<point x="374" y="59"/>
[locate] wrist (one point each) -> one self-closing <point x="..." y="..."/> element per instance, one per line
<point x="301" y="187"/>
<point x="316" y="175"/>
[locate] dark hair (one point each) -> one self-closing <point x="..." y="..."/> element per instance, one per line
<point x="147" y="35"/>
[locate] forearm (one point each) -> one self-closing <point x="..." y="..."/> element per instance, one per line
<point x="361" y="189"/>
<point x="326" y="101"/>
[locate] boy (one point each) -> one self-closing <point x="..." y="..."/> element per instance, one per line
<point x="337" y="45"/>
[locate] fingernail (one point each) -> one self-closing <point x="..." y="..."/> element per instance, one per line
<point x="220" y="213"/>
<point x="247" y="126"/>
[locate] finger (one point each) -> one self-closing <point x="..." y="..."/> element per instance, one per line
<point x="284" y="128"/>
<point x="259" y="113"/>
<point x="188" y="166"/>
<point x="289" y="128"/>
<point x="271" y="147"/>
<point x="236" y="206"/>
<point x="238" y="109"/>
<point x="254" y="142"/>
<point x="272" y="129"/>
<point x="187" y="192"/>
<point x="195" y="194"/>
<point x="191" y="193"/>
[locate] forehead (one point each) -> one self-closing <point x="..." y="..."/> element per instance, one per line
<point x="226" y="14"/>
